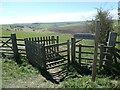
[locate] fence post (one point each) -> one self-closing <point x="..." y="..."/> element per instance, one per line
<point x="109" y="59"/>
<point x="80" y="54"/>
<point x="73" y="49"/>
<point x="101" y="55"/>
<point x="94" y="67"/>
<point x="15" y="49"/>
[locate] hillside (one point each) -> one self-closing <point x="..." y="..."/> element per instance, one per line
<point x="62" y="27"/>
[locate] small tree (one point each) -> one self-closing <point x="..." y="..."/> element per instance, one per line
<point x="106" y="24"/>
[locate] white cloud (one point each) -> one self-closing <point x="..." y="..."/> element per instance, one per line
<point x="56" y="17"/>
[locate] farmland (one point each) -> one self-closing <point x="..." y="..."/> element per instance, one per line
<point x="25" y="76"/>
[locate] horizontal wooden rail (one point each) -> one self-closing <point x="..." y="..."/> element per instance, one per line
<point x="117" y="42"/>
<point x="85" y="52"/>
<point x="85" y="58"/>
<point x="5" y="36"/>
<point x="22" y="53"/>
<point x="53" y="45"/>
<point x="5" y="49"/>
<point x="56" y="52"/>
<point x="78" y="41"/>
<point x="86" y="46"/>
<point x="20" y="44"/>
<point x="7" y="52"/>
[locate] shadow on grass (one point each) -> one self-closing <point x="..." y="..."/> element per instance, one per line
<point x="113" y="71"/>
<point x="82" y="70"/>
<point x="54" y="77"/>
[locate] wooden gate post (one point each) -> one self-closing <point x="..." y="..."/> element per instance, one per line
<point x="73" y="49"/>
<point x="15" y="49"/>
<point x="94" y="67"/>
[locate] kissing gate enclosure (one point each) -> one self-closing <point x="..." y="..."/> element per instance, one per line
<point x="47" y="52"/>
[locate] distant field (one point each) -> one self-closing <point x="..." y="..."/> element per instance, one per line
<point x="71" y="29"/>
<point x="24" y="34"/>
<point x="61" y="27"/>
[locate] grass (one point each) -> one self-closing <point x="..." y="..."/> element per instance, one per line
<point x="76" y="80"/>
<point x="85" y="82"/>
<point x="25" y="76"/>
<point x="11" y="71"/>
<point x="22" y="76"/>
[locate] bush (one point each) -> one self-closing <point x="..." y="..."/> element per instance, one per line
<point x="106" y="24"/>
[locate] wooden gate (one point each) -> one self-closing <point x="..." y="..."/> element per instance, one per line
<point x="8" y="47"/>
<point x="47" y="53"/>
<point x="35" y="54"/>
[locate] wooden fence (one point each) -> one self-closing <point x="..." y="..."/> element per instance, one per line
<point x="12" y="46"/>
<point x="42" y="55"/>
<point x="105" y="54"/>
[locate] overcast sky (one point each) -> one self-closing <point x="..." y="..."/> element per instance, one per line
<point x="30" y="12"/>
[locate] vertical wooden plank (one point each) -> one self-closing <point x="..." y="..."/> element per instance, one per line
<point x="97" y="34"/>
<point x="41" y="40"/>
<point x="101" y="55"/>
<point x="46" y="40"/>
<point x="49" y="40"/>
<point x="57" y="41"/>
<point x="47" y="44"/>
<point x="32" y="39"/>
<point x="68" y="52"/>
<point x="73" y="49"/>
<point x="35" y="39"/>
<point x="38" y="40"/>
<point x="52" y="41"/>
<point x="15" y="49"/>
<point x="80" y="54"/>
